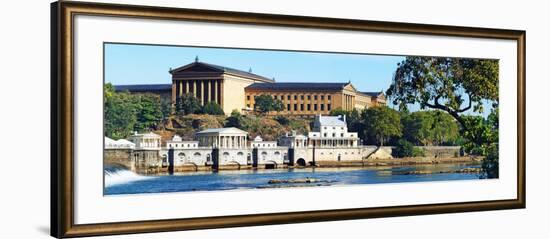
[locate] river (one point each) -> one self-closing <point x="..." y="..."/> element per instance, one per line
<point x="119" y="181"/>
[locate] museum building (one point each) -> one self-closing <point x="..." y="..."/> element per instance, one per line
<point x="235" y="89"/>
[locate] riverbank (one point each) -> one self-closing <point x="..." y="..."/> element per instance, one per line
<point x="327" y="164"/>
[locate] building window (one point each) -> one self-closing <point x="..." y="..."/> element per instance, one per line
<point x="325" y="135"/>
<point x="315" y="107"/>
<point x="308" y="107"/>
<point x="288" y="97"/>
<point x="315" y="97"/>
<point x="248" y="97"/>
<point x="322" y="107"/>
<point x="301" y="97"/>
<point x="295" y="97"/>
<point x="342" y="135"/>
<point x="309" y="97"/>
<point x="288" y="107"/>
<point x="295" y="107"/>
<point x="333" y="134"/>
<point x="247" y="105"/>
<point x="328" y="97"/>
<point x="328" y="107"/>
<point x="301" y="107"/>
<point x="322" y="97"/>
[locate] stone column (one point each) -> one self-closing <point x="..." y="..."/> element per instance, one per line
<point x="209" y="90"/>
<point x="216" y="92"/>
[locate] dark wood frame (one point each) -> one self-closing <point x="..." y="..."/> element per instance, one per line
<point x="62" y="127"/>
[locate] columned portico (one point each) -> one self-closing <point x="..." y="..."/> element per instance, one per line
<point x="225" y="138"/>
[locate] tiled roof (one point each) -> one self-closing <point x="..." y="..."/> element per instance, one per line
<point x="223" y="130"/>
<point x="237" y="72"/>
<point x="225" y="69"/>
<point x="298" y="86"/>
<point x="373" y="94"/>
<point x="140" y="88"/>
<point x="331" y="121"/>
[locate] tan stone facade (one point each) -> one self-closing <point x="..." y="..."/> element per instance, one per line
<point x="236" y="90"/>
<point x="310" y="102"/>
<point x="208" y="82"/>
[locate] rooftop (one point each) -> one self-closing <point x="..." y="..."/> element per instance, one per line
<point x="144" y="87"/>
<point x="224" y="69"/>
<point x="299" y="86"/>
<point x="230" y="130"/>
<point x="331" y="120"/>
<point x="372" y="93"/>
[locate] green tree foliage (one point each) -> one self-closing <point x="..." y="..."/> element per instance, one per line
<point x="148" y="111"/>
<point x="266" y="103"/>
<point x="381" y="123"/>
<point x="454" y="85"/>
<point x="483" y="135"/>
<point x="235" y="120"/>
<point x="188" y="104"/>
<point x="119" y="112"/>
<point x="404" y="148"/>
<point x="212" y="108"/>
<point x="429" y="128"/>
<point x="125" y="112"/>
<point x="445" y="128"/>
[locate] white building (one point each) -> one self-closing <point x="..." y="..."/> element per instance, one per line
<point x="230" y="138"/>
<point x="147" y="141"/>
<point x="332" y="131"/>
<point x="177" y="143"/>
<point x="118" y="144"/>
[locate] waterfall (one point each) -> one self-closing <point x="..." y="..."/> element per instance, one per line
<point x="115" y="175"/>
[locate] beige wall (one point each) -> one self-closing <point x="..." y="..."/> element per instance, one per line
<point x="296" y="99"/>
<point x="233" y="93"/>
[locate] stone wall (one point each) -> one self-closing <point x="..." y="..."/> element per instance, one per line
<point x="121" y="157"/>
<point x="442" y="151"/>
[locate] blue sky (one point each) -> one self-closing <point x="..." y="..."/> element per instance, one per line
<point x="148" y="64"/>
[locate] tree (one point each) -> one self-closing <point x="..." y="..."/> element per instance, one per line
<point x="120" y="113"/>
<point x="404" y="148"/>
<point x="484" y="141"/>
<point x="444" y="129"/>
<point x="266" y="103"/>
<point x="212" y="108"/>
<point x="381" y="123"/>
<point x="418" y="127"/>
<point x="235" y="120"/>
<point x="148" y="111"/>
<point x="433" y="127"/>
<point x="454" y="85"/>
<point x="188" y="104"/>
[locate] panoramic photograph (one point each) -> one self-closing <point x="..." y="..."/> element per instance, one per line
<point x="185" y="119"/>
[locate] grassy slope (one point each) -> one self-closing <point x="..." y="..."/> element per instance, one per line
<point x="267" y="127"/>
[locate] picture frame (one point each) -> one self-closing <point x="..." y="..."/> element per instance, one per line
<point x="63" y="118"/>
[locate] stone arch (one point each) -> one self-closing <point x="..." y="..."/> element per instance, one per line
<point x="264" y="155"/>
<point x="197" y="156"/>
<point x="181" y="157"/>
<point x="225" y="156"/>
<point x="301" y="162"/>
<point x="270" y="164"/>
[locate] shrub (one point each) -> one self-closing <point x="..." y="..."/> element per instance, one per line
<point x="403" y="148"/>
<point x="282" y="120"/>
<point x="212" y="108"/>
